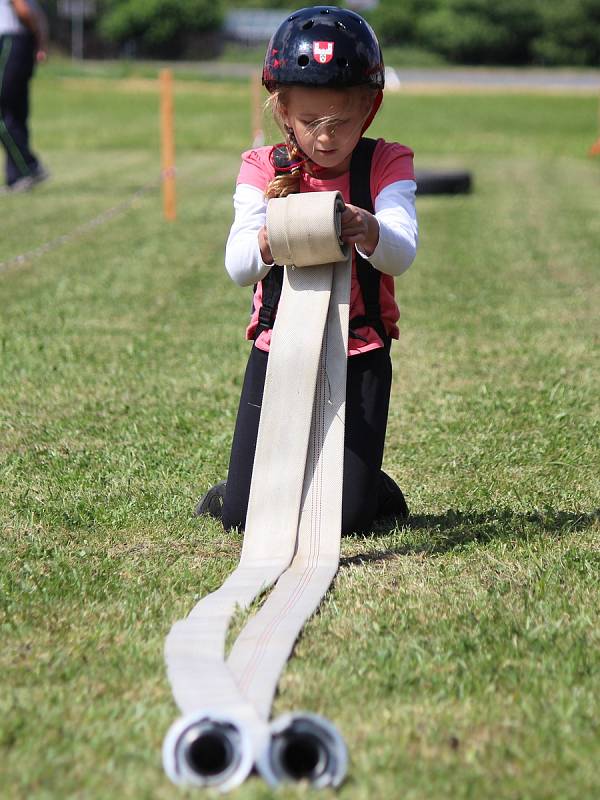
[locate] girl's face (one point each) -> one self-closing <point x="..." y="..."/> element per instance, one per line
<point x="327" y="123"/>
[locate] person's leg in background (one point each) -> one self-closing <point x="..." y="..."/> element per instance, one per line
<point x="17" y="58"/>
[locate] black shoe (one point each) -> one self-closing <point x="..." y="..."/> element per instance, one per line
<point x="212" y="503"/>
<point x="391" y="500"/>
<point x="38" y="175"/>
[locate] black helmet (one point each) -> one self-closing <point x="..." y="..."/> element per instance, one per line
<point x="324" y="46"/>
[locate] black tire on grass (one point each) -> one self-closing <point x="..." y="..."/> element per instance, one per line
<point x="443" y="182"/>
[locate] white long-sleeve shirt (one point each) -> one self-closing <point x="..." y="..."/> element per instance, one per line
<point x="392" y="189"/>
<point x="394" y="210"/>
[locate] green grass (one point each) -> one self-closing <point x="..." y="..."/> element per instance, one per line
<point x="459" y="655"/>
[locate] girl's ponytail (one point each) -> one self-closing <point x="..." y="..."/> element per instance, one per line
<point x="287" y="182"/>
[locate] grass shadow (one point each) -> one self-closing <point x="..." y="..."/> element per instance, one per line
<point x="434" y="534"/>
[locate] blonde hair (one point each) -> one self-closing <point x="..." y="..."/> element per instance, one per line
<point x="289" y="182"/>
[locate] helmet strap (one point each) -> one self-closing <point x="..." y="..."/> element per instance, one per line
<point x="374" y="109"/>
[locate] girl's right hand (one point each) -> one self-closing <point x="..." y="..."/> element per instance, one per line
<point x="265" y="247"/>
<point x="360" y="227"/>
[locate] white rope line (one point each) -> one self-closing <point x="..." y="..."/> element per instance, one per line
<point x="83" y="228"/>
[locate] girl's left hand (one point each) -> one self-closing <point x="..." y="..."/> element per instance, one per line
<point x="360" y="227"/>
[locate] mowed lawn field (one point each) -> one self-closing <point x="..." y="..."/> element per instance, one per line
<point x="459" y="654"/>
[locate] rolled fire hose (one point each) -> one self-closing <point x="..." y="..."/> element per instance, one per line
<point x="292" y="533"/>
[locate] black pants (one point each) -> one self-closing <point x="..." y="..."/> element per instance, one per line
<point x="368" y="386"/>
<point x="17" y="59"/>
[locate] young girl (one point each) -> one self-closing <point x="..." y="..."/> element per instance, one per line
<point x="324" y="72"/>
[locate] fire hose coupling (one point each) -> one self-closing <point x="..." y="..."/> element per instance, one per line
<point x="208" y="750"/>
<point x="304" y="747"/>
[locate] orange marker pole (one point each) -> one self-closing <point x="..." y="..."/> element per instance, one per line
<point x="167" y="143"/>
<point x="595" y="148"/>
<point x="258" y="135"/>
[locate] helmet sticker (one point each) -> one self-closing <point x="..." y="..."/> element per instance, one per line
<point x="323" y="52"/>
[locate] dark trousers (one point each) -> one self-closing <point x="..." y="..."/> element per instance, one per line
<point x="17" y="59"/>
<point x="368" y="386"/>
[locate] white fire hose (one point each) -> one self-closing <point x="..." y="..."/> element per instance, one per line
<point x="292" y="533"/>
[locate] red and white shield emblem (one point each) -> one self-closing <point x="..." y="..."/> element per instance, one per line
<point x="323" y="52"/>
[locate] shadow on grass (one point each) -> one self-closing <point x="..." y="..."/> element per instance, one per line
<point x="439" y="533"/>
